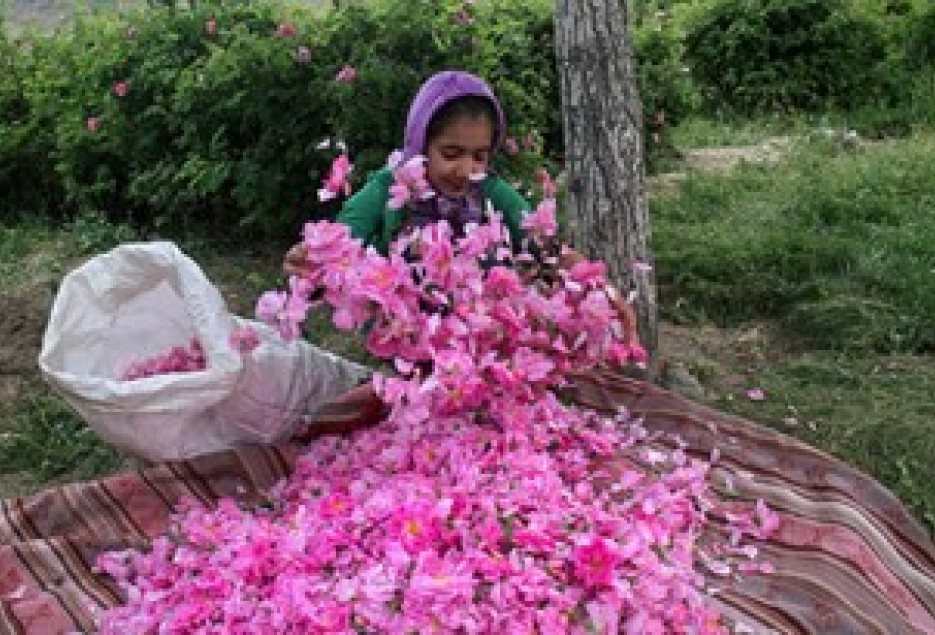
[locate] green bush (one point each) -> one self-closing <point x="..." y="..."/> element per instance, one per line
<point x="920" y="41"/>
<point x="217" y="126"/>
<point x="28" y="182"/>
<point x="666" y="89"/>
<point x="755" y="55"/>
<point x="221" y="130"/>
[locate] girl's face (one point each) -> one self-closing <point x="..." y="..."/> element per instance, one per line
<point x="460" y="149"/>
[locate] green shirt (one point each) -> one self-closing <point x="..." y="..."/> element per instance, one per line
<point x="369" y="218"/>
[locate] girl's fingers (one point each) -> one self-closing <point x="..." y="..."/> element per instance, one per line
<point x="294" y="263"/>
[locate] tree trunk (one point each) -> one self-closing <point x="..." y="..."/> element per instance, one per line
<point x="603" y="122"/>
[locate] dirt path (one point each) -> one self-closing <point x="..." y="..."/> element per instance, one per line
<point x="722" y="159"/>
<point x="22" y="322"/>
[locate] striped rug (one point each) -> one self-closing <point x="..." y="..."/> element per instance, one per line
<point x="849" y="559"/>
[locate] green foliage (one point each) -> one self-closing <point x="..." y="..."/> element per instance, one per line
<point x="666" y="89"/>
<point x="920" y="41"/>
<point x="50" y="440"/>
<point x="159" y="120"/>
<point x="91" y="233"/>
<point x="27" y="177"/>
<point x="752" y="55"/>
<point x="215" y="126"/>
<point x="220" y="131"/>
<point x="837" y="245"/>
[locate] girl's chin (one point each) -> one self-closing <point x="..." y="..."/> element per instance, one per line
<point x="450" y="191"/>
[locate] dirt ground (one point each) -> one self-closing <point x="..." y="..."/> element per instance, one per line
<point x="22" y="322"/>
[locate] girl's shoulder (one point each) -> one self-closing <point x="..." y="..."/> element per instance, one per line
<point x="381" y="176"/>
<point x="503" y="195"/>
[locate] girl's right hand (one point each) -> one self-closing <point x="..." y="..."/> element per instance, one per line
<point x="294" y="264"/>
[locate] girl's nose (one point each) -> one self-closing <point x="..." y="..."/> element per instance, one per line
<point x="470" y="166"/>
<point x="465" y="168"/>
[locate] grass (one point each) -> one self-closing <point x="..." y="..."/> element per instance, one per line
<point x="874" y="412"/>
<point x="835" y="243"/>
<point x="834" y="249"/>
<point x="48" y="442"/>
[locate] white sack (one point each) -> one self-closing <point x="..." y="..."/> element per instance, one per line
<point x="138" y="301"/>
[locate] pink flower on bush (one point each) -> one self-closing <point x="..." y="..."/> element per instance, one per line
<point x="409" y="183"/>
<point x="286" y="30"/>
<point x="131" y="32"/>
<point x="337" y="181"/>
<point x="346" y="75"/>
<point x="529" y="142"/>
<point x="121" y="88"/>
<point x="211" y="26"/>
<point x="93" y="124"/>
<point x="461" y="17"/>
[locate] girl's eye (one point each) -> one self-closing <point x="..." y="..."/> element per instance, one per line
<point x="450" y="155"/>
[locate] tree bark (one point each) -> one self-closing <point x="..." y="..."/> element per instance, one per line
<point x="603" y="122"/>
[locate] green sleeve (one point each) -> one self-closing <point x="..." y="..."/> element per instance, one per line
<point x="511" y="203"/>
<point x="364" y="211"/>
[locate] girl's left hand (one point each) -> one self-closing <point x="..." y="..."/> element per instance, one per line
<point x="627" y="316"/>
<point x="570" y="257"/>
<point x="294" y="264"/>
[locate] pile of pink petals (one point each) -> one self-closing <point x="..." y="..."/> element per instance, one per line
<point x="179" y="359"/>
<point x="482" y="504"/>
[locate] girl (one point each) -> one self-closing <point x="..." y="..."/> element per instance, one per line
<point x="456" y="122"/>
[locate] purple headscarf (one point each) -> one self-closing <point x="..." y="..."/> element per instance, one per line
<point x="437" y="91"/>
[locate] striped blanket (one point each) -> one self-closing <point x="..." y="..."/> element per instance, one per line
<point x="848" y="557"/>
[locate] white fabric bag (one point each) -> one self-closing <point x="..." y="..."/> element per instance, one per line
<point x="141" y="299"/>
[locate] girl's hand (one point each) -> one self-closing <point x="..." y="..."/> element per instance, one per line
<point x="294" y="264"/>
<point x="627" y="316"/>
<point x="569" y="258"/>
